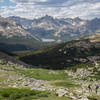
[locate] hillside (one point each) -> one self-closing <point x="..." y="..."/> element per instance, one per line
<point x="13" y="37"/>
<point x="66" y="54"/>
<point x="6" y="59"/>
<point x="24" y="83"/>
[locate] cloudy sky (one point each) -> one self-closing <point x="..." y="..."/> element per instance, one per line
<point x="57" y="8"/>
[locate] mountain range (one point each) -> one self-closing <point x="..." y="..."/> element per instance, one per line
<point x="50" y="29"/>
<point x="18" y="34"/>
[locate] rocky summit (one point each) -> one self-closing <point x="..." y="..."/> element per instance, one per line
<point x="9" y="28"/>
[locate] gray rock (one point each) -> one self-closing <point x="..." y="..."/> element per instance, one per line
<point x="61" y="92"/>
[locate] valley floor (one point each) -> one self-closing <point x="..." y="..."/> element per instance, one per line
<point x="18" y="83"/>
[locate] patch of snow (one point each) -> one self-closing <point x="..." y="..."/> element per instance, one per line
<point x="48" y="40"/>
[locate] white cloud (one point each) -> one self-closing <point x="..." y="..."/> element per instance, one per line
<point x="32" y="9"/>
<point x="28" y="1"/>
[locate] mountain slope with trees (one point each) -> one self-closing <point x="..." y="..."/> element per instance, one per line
<point x="66" y="54"/>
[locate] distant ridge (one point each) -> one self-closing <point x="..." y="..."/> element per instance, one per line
<point x="62" y="29"/>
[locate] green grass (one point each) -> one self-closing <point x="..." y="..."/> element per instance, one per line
<point x="21" y="94"/>
<point x="66" y="84"/>
<point x="31" y="52"/>
<point x="44" y="74"/>
<point x="27" y="94"/>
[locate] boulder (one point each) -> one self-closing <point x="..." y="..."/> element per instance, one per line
<point x="61" y="92"/>
<point x="84" y="98"/>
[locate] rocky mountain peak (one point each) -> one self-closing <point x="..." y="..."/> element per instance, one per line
<point x="10" y="28"/>
<point x="47" y="17"/>
<point x="77" y="19"/>
<point x="64" y="29"/>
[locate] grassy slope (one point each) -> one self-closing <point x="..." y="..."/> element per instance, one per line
<point x="6" y="72"/>
<point x="21" y="94"/>
<point x="56" y="78"/>
<point x="19" y="43"/>
<point x="27" y="94"/>
<point x="16" y="44"/>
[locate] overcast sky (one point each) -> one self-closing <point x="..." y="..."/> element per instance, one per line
<point x="56" y="8"/>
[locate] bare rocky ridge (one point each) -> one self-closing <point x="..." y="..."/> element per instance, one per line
<point x="9" y="28"/>
<point x="59" y="29"/>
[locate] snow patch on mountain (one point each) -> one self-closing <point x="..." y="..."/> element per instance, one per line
<point x="48" y="40"/>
